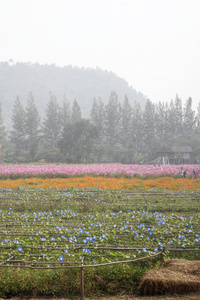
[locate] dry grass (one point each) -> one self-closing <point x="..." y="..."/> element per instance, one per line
<point x="178" y="277"/>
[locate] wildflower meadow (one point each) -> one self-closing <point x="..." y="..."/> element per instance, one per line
<point x="103" y="219"/>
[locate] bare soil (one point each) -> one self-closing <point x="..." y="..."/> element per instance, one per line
<point x="191" y="296"/>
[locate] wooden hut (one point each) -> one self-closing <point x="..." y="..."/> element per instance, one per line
<point x="177" y="155"/>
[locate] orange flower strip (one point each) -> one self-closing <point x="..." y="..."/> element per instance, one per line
<point x="167" y="183"/>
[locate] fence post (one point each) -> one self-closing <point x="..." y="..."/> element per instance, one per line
<point x="146" y="205"/>
<point x="82" y="281"/>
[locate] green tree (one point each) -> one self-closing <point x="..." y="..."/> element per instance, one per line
<point x="137" y="132"/>
<point x="188" y="118"/>
<point x="4" y="144"/>
<point x="65" y="113"/>
<point x="171" y="126"/>
<point x="179" y="116"/>
<point x="197" y="120"/>
<point x="149" y="124"/>
<point x="77" y="141"/>
<point x="18" y="132"/>
<point x="52" y="124"/>
<point x="126" y="123"/>
<point x="32" y="128"/>
<point x="76" y="112"/>
<point x="161" y="121"/>
<point x="112" y="120"/>
<point x="2" y="128"/>
<point x="112" y="128"/>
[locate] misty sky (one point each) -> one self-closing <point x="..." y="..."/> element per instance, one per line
<point x="153" y="44"/>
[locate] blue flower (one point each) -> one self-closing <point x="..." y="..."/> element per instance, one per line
<point x="66" y="251"/>
<point x="144" y="250"/>
<point x="85" y="250"/>
<point x="61" y="258"/>
<point x="103" y="236"/>
<point x="53" y="239"/>
<point x="156" y="249"/>
<point x="20" y="249"/>
<point x="63" y="236"/>
<point x="43" y="239"/>
<point x="6" y="240"/>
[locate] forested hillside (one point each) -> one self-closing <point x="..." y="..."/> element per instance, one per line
<point x="64" y="83"/>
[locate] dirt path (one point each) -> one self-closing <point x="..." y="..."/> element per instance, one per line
<point x="195" y="296"/>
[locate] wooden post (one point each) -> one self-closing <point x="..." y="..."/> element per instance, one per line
<point x="146" y="205"/>
<point x="82" y="281"/>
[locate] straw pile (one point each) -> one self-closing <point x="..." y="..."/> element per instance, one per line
<point x="178" y="277"/>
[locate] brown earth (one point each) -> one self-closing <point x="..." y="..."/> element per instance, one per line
<point x="191" y="296"/>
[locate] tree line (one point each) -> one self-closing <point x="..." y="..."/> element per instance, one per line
<point x="114" y="132"/>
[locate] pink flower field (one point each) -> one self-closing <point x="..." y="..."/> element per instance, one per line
<point x="96" y="169"/>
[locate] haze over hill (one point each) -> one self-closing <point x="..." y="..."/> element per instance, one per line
<point x="71" y="82"/>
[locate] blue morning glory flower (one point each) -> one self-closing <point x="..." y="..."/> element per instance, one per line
<point x="43" y="239"/>
<point x="85" y="250"/>
<point x="61" y="258"/>
<point x="156" y="249"/>
<point x="66" y="251"/>
<point x="20" y="249"/>
<point x="53" y="239"/>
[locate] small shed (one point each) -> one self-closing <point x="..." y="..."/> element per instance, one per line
<point x="177" y="155"/>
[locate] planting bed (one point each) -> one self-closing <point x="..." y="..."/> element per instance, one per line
<point x="49" y="235"/>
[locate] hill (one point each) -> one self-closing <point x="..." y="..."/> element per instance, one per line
<point x="82" y="84"/>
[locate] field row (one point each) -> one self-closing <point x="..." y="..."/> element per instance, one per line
<point x="95" y="169"/>
<point x="105" y="183"/>
<point x="55" y="226"/>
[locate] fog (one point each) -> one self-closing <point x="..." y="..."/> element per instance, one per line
<point x="154" y="45"/>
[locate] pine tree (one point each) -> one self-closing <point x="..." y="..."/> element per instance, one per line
<point x="149" y="124"/>
<point x="126" y="123"/>
<point x="179" y="116"/>
<point x="171" y="126"/>
<point x="52" y="124"/>
<point x="137" y="131"/>
<point x="2" y="128"/>
<point x="18" y="132"/>
<point x="76" y="112"/>
<point x="65" y="113"/>
<point x="112" y="120"/>
<point x="32" y="128"/>
<point x="97" y="116"/>
<point x="188" y="118"/>
<point x="197" y="120"/>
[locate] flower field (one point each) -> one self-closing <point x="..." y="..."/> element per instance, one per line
<point x="65" y="225"/>
<point x="110" y="183"/>
<point x="95" y="169"/>
<point x="95" y="219"/>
